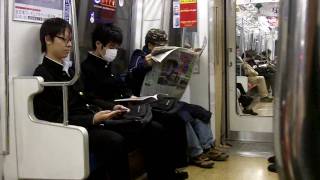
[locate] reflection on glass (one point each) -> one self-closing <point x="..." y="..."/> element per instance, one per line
<point x="256" y="40"/>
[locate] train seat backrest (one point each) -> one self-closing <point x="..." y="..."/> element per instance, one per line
<point x="46" y="150"/>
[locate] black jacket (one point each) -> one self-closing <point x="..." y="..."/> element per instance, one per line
<point x="100" y="83"/>
<point x="138" y="68"/>
<point x="48" y="104"/>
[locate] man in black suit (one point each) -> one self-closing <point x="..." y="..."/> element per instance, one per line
<point x="108" y="146"/>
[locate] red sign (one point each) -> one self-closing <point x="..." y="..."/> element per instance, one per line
<point x="103" y="11"/>
<point x="188" y="13"/>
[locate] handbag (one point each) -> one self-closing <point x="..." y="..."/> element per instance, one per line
<point x="165" y="104"/>
<point x="133" y="121"/>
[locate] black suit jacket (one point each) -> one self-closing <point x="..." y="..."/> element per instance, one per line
<point x="48" y="104"/>
<point x="100" y="83"/>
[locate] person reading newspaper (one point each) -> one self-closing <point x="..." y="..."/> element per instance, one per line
<point x="197" y="120"/>
<point x="102" y="84"/>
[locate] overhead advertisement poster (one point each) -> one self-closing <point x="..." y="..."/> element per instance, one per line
<point x="188" y="13"/>
<point x="103" y="11"/>
<point x="37" y="10"/>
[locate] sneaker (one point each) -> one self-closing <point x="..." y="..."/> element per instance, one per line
<point x="202" y="161"/>
<point x="249" y="111"/>
<point x="266" y="99"/>
<point x="272" y="159"/>
<point x="272" y="168"/>
<point x="216" y="155"/>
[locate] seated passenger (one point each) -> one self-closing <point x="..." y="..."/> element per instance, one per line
<point x="101" y="84"/>
<point x="259" y="81"/>
<point x="108" y="146"/>
<point x="199" y="135"/>
<point x="245" y="100"/>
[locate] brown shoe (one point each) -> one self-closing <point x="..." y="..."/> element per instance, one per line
<point x="202" y="161"/>
<point x="216" y="155"/>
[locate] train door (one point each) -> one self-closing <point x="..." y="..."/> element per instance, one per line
<point x="251" y="42"/>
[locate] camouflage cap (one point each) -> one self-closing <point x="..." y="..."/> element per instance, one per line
<point x="156" y="36"/>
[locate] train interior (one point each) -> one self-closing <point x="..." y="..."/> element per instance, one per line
<point x="238" y="38"/>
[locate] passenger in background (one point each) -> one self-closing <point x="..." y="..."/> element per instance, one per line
<point x="101" y="84"/>
<point x="108" y="146"/>
<point x="256" y="79"/>
<point x="269" y="70"/>
<point x="197" y="120"/>
<point x="243" y="97"/>
<point x="245" y="100"/>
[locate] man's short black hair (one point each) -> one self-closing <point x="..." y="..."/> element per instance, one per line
<point x="52" y="27"/>
<point x="106" y="33"/>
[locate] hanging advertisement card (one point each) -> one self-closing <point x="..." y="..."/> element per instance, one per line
<point x="188" y="13"/>
<point x="67" y="10"/>
<point x="37" y="10"/>
<point x="103" y="11"/>
<point x="176" y="13"/>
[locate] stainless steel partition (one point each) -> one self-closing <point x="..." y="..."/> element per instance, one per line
<point x="297" y="108"/>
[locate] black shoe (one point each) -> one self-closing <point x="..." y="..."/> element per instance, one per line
<point x="272" y="168"/>
<point x="272" y="159"/>
<point x="180" y="175"/>
<point x="249" y="111"/>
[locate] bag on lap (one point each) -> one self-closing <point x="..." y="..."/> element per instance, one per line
<point x="167" y="105"/>
<point x="133" y="121"/>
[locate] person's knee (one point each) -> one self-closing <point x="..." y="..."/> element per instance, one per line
<point x="260" y="78"/>
<point x="106" y="140"/>
<point x="155" y="128"/>
<point x="114" y="139"/>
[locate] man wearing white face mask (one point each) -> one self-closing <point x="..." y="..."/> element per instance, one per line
<point x="101" y="84"/>
<point x="96" y="69"/>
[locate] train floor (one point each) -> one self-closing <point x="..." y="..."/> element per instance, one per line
<point x="247" y="161"/>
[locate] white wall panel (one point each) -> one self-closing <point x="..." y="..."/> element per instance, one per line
<point x="24" y="56"/>
<point x="199" y="89"/>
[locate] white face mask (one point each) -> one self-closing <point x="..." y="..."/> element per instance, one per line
<point x="110" y="55"/>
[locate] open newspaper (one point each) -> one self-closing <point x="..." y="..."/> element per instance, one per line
<point x="171" y="72"/>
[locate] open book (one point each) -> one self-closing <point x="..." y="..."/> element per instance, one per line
<point x="142" y="99"/>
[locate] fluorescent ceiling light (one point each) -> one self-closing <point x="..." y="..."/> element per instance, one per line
<point x="121" y="3"/>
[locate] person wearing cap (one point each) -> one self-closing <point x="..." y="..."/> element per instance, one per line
<point x="200" y="139"/>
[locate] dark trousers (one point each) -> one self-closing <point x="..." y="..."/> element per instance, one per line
<point x="177" y="140"/>
<point x="241" y="89"/>
<point x="153" y="139"/>
<point x="110" y="154"/>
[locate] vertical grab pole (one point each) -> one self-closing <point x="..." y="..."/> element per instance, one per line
<point x="297" y="108"/>
<point x="6" y="149"/>
<point x="65" y="105"/>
